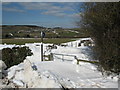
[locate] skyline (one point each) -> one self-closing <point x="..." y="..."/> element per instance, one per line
<point x="47" y="14"/>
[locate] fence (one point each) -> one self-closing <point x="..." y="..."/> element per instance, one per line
<point x="52" y="55"/>
<point x="63" y="56"/>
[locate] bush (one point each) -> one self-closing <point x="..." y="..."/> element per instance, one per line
<point x="15" y="55"/>
<point x="102" y="20"/>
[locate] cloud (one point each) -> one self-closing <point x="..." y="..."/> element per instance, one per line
<point x="45" y="6"/>
<point x="35" y="6"/>
<point x="60" y="0"/>
<point x="44" y="0"/>
<point x="6" y="3"/>
<point x="13" y="10"/>
<point x="54" y="9"/>
<point x="54" y="13"/>
<point x="77" y="15"/>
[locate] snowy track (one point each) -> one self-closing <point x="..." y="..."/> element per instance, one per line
<point x="57" y="73"/>
<point x="82" y="76"/>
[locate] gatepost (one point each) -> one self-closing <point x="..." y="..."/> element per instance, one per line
<point x="42" y="36"/>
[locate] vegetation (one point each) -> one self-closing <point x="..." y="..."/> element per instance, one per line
<point x="37" y="40"/>
<point x="28" y="31"/>
<point x="15" y="55"/>
<point x="102" y="20"/>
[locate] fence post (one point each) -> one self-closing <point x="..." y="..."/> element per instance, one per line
<point x="62" y="57"/>
<point x="71" y="44"/>
<point x="0" y="74"/>
<point x="41" y="46"/>
<point x="41" y="51"/>
<point x="51" y="57"/>
<point x="76" y="44"/>
<point x="77" y="60"/>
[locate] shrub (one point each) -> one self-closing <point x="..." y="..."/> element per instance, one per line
<point x="102" y="20"/>
<point x="15" y="55"/>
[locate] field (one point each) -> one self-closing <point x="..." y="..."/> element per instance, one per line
<point x="27" y="31"/>
<point x="37" y="40"/>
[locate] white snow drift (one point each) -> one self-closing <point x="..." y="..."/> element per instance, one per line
<point x="33" y="73"/>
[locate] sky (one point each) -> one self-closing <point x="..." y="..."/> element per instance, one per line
<point x="47" y="14"/>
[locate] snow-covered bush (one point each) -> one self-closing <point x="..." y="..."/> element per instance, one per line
<point x="15" y="55"/>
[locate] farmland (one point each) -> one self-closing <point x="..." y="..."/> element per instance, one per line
<point x="37" y="40"/>
<point x="29" y="31"/>
<point x="21" y="34"/>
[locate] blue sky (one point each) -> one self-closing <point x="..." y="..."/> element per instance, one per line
<point x="42" y="14"/>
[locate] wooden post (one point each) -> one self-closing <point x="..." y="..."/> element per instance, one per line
<point x="42" y="52"/>
<point x="41" y="46"/>
<point x="51" y="57"/>
<point x="76" y="44"/>
<point x="62" y="57"/>
<point x="0" y="74"/>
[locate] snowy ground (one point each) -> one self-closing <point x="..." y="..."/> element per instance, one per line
<point x="56" y="74"/>
<point x="83" y="75"/>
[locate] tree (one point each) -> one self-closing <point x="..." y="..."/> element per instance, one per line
<point x="103" y="22"/>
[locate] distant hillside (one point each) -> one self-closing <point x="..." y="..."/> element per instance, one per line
<point x="32" y="31"/>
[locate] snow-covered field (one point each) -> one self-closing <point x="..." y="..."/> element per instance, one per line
<point x="61" y="72"/>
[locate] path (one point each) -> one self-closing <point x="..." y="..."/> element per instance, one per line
<point x="79" y="74"/>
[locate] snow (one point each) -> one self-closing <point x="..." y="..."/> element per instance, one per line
<point x="2" y="65"/>
<point x="5" y="46"/>
<point x="76" y="43"/>
<point x="18" y="83"/>
<point x="73" y="31"/>
<point x="81" y="53"/>
<point x="59" y="73"/>
<point x="67" y="70"/>
<point x="13" y="70"/>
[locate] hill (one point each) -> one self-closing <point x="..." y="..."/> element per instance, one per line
<point x="32" y="31"/>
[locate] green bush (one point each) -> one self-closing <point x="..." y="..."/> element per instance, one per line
<point x="102" y="20"/>
<point x="15" y="55"/>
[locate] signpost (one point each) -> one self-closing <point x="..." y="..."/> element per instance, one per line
<point x="42" y="36"/>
